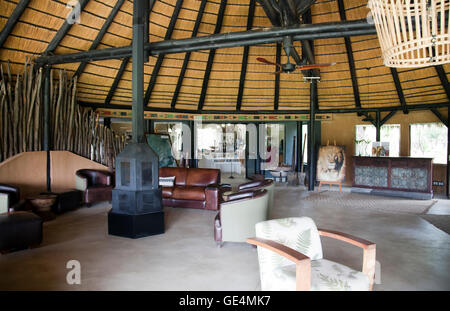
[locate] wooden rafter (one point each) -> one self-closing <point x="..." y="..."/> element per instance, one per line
<point x="100" y="34"/>
<point x="399" y="89"/>
<point x="12" y="20"/>
<point x="351" y="61"/>
<point x="160" y="59"/>
<point x="251" y="15"/>
<point x="212" y="53"/>
<point x="187" y="56"/>
<point x="62" y="31"/>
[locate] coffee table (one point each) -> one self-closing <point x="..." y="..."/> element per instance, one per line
<point x="42" y="205"/>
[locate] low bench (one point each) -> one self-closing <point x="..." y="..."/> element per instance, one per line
<point x="19" y="230"/>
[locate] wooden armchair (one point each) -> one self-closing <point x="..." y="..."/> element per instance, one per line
<point x="290" y="258"/>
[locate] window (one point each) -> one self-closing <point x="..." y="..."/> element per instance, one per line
<point x="305" y="153"/>
<point x="429" y="140"/>
<point x="365" y="135"/>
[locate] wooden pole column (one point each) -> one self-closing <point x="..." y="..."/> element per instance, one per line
<point x="46" y="136"/>
<point x="378" y="126"/>
<point x="448" y="154"/>
<point x="140" y="8"/>
<point x="299" y="158"/>
<point x="311" y="134"/>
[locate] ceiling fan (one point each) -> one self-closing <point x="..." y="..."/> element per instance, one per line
<point x="289" y="67"/>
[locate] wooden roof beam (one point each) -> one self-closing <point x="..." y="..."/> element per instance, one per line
<point x="62" y="31"/>
<point x="12" y="20"/>
<point x="212" y="53"/>
<point x="159" y="61"/>
<point x="351" y="61"/>
<point x="251" y="15"/>
<point x="399" y="89"/>
<point x="299" y="111"/>
<point x="223" y="40"/>
<point x="440" y="116"/>
<point x="100" y="34"/>
<point x="443" y="77"/>
<point x="187" y="56"/>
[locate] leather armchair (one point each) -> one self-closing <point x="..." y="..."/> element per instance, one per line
<point x="239" y="214"/>
<point x="301" y="265"/>
<point x="267" y="184"/>
<point x="96" y="185"/>
<point x="10" y="199"/>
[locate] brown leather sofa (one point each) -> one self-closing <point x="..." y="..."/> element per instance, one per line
<point x="193" y="188"/>
<point x="96" y="185"/>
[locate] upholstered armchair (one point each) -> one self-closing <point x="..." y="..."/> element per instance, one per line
<point x="290" y="258"/>
<point x="10" y="199"/>
<point x="238" y="216"/>
<point x="267" y="184"/>
<point x="96" y="185"/>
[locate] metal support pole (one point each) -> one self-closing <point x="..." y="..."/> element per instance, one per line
<point x="378" y="125"/>
<point x="139" y="15"/>
<point x="311" y="135"/>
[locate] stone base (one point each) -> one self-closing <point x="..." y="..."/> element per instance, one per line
<point x="135" y="226"/>
<point x="394" y="193"/>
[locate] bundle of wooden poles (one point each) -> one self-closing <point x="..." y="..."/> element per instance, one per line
<point x="72" y="128"/>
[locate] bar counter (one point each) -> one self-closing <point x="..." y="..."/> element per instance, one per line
<point x="396" y="176"/>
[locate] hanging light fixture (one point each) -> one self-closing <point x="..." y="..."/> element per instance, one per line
<point x="412" y="33"/>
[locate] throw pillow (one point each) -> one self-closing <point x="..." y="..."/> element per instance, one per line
<point x="166" y="181"/>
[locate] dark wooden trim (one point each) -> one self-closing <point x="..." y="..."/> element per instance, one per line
<point x="62" y="31"/>
<point x="100" y="34"/>
<point x="160" y="59"/>
<point x="378" y="125"/>
<point x="399" y="89"/>
<point x="251" y="14"/>
<point x="387" y="117"/>
<point x="212" y="53"/>
<point x="12" y="20"/>
<point x="187" y="56"/>
<point x="276" y="96"/>
<point x="440" y="116"/>
<point x="443" y="77"/>
<point x="300" y="111"/>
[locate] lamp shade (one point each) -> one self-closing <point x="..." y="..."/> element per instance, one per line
<point x="412" y="33"/>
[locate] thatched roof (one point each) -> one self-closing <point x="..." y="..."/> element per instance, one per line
<point x="42" y="19"/>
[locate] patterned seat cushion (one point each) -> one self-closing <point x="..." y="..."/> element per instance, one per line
<point x="326" y="275"/>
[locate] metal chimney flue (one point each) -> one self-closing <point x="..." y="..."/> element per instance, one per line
<point x="137" y="199"/>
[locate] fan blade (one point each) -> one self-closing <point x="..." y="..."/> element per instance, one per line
<point x="314" y="66"/>
<point x="263" y="60"/>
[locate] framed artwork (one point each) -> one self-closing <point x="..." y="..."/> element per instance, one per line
<point x="331" y="164"/>
<point x="380" y="149"/>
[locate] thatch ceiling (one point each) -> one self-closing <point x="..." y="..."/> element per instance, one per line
<point x="42" y="19"/>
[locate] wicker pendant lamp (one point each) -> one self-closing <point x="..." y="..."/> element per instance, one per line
<point x="412" y="33"/>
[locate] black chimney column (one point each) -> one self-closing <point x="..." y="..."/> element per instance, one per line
<point x="137" y="209"/>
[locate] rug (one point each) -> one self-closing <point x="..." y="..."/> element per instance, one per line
<point x="372" y="202"/>
<point x="441" y="222"/>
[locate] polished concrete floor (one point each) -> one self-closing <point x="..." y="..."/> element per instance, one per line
<point x="413" y="254"/>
